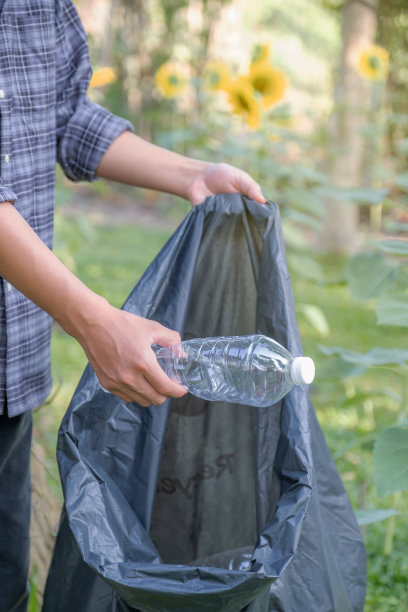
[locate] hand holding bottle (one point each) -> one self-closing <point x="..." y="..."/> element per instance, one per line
<point x="118" y="346"/>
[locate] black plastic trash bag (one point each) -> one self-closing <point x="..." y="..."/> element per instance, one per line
<point x="194" y="505"/>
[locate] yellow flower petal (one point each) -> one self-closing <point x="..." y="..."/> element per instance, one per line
<point x="261" y="53"/>
<point x="101" y="77"/>
<point x="269" y="82"/>
<point x="216" y="75"/>
<point x="241" y="96"/>
<point x="170" y="80"/>
<point x="253" y="120"/>
<point x="373" y="63"/>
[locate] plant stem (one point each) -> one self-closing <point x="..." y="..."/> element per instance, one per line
<point x="350" y="388"/>
<point x="390" y="528"/>
<point x="376" y="218"/>
<point x="405" y="390"/>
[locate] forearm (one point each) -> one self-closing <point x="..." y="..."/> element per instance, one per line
<point x="134" y="161"/>
<point x="28" y="264"/>
<point x="117" y="343"/>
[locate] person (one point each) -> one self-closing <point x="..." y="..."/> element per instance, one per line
<point x="46" y="117"/>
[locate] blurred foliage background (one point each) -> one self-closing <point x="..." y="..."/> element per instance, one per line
<point x="309" y="97"/>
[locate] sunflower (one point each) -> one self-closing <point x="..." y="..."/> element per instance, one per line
<point x="170" y="80"/>
<point x="373" y="63"/>
<point x="216" y="75"/>
<point x="101" y="77"/>
<point x="269" y="82"/>
<point x="241" y="96"/>
<point x="261" y="53"/>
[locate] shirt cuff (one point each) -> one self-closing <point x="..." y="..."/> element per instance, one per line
<point x="6" y="194"/>
<point x="87" y="137"/>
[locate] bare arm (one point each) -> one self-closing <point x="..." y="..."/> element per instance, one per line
<point x="116" y="343"/>
<point x="134" y="161"/>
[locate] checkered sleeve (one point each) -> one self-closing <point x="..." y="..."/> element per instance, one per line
<point x="84" y="129"/>
<point x="6" y="194"/>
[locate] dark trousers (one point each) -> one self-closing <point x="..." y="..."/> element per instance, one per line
<point x="15" y="503"/>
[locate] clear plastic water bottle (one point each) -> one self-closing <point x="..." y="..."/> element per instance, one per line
<point x="253" y="370"/>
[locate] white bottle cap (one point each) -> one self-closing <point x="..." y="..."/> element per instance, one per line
<point x="302" y="370"/>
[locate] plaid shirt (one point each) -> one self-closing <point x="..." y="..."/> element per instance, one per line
<point x="45" y="117"/>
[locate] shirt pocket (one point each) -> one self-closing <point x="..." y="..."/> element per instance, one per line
<point x="31" y="62"/>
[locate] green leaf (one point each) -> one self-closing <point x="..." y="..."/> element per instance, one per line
<point x="334" y="369"/>
<point x="393" y="247"/>
<point x="393" y="395"/>
<point x="394" y="227"/>
<point x="304" y="199"/>
<point x="375" y="357"/>
<point x="391" y="461"/>
<point x="399" y="119"/>
<point x="315" y="316"/>
<point x="294" y="237"/>
<point x="393" y="310"/>
<point x="365" y="517"/>
<point x="403" y="146"/>
<point x="357" y="400"/>
<point x="358" y="195"/>
<point x="304" y="219"/>
<point x="32" y="603"/>
<point x="370" y="275"/>
<point x="305" y="266"/>
<point x="401" y="180"/>
<point x="310" y="175"/>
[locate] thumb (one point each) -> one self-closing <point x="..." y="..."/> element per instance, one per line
<point x="255" y="193"/>
<point x="251" y="188"/>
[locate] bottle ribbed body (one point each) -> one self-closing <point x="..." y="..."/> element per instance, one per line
<point x="252" y="370"/>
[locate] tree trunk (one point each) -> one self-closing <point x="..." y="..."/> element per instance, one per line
<point x="352" y="101"/>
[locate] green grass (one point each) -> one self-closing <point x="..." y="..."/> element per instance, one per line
<point x="351" y="411"/>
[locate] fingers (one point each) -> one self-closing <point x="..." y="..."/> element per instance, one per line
<point x="144" y="393"/>
<point x="125" y="364"/>
<point x="231" y="179"/>
<point x="148" y="385"/>
<point x="223" y="178"/>
<point x="160" y="382"/>
<point x="250" y="188"/>
<point x="165" y="337"/>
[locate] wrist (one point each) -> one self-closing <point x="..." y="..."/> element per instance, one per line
<point x="80" y="314"/>
<point x="134" y="161"/>
<point x="193" y="173"/>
